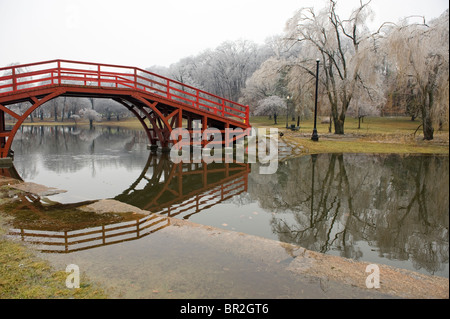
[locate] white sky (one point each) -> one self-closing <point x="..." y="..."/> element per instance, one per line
<point x="143" y="33"/>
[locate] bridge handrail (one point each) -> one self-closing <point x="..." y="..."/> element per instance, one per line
<point x="17" y="78"/>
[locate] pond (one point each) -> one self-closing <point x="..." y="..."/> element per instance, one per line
<point x="387" y="209"/>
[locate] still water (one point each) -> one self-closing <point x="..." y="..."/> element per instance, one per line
<point x="386" y="209"/>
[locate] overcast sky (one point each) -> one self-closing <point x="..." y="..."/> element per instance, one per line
<point x="143" y="33"/>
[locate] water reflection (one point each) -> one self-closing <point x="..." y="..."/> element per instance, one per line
<point x="89" y="163"/>
<point x="379" y="208"/>
<point x="185" y="189"/>
<point x="163" y="187"/>
<point x="356" y="206"/>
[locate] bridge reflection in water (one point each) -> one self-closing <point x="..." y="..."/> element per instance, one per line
<point x="163" y="188"/>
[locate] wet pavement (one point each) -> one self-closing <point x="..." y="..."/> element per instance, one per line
<point x="188" y="260"/>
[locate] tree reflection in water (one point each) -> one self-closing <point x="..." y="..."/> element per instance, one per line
<point x="397" y="205"/>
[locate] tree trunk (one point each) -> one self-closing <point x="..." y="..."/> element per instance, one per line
<point x="63" y="110"/>
<point x="339" y="126"/>
<point x="428" y="130"/>
<point x="339" y="118"/>
<point x="339" y="121"/>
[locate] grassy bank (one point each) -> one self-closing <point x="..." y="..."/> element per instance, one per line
<point x="376" y="135"/>
<point x="25" y="276"/>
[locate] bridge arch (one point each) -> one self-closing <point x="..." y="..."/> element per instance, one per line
<point x="160" y="104"/>
<point x="7" y="139"/>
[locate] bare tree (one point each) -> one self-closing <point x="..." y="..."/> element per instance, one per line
<point x="338" y="43"/>
<point x="222" y="71"/>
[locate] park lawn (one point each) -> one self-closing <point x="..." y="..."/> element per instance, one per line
<point x="328" y="145"/>
<point x="369" y="125"/>
<point x="377" y="135"/>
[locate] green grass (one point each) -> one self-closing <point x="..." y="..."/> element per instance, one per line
<point x="376" y="135"/>
<point x="24" y="276"/>
<point x="370" y="125"/>
<point x="363" y="146"/>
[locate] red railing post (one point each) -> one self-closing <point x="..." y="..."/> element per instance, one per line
<point x="14" y="81"/>
<point x="135" y="78"/>
<point x="247" y="115"/>
<point x="198" y="99"/>
<point x="98" y="71"/>
<point x="168" y="88"/>
<point x="59" y="72"/>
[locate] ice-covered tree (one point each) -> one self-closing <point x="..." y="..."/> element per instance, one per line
<point x="271" y="105"/>
<point x="91" y="115"/>
<point x="343" y="47"/>
<point x="419" y="56"/>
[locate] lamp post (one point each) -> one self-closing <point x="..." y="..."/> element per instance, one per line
<point x="315" y="136"/>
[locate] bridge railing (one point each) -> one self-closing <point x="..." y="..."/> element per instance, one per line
<point x="82" y="239"/>
<point x="23" y="77"/>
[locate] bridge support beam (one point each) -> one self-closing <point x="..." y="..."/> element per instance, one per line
<point x="3" y="134"/>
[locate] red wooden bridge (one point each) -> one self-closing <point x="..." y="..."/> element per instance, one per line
<point x="160" y="104"/>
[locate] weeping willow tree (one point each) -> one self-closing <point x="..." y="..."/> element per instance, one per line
<point x="419" y="57"/>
